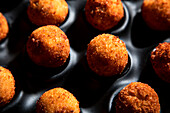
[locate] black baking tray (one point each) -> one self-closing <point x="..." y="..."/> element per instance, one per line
<point x="95" y="94"/>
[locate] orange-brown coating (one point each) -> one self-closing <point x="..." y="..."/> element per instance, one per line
<point x="47" y="12"/>
<point x="160" y="59"/>
<point x="156" y="14"/>
<point x="48" y="46"/>
<point x="7" y="86"/>
<point x="104" y="14"/>
<point x="4" y="29"/>
<point x="137" y="97"/>
<point x="57" y="100"/>
<point x="107" y="55"/>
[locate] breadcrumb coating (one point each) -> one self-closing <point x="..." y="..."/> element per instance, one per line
<point x="57" y="100"/>
<point x="160" y="59"/>
<point x="156" y="14"/>
<point x="48" y="46"/>
<point x="107" y="55"/>
<point x="137" y="97"/>
<point x="7" y="86"/>
<point x="47" y="12"/>
<point x="4" y="29"/>
<point x="104" y="14"/>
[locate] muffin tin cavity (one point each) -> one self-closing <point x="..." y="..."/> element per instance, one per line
<point x="122" y="24"/>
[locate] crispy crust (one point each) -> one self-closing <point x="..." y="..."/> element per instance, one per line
<point x="7" y="86"/>
<point x="160" y="59"/>
<point x="104" y="14"/>
<point x="47" y="12"/>
<point x="4" y="29"/>
<point x="57" y="100"/>
<point x="107" y="55"/>
<point x="137" y="97"/>
<point x="156" y="14"/>
<point x="48" y="46"/>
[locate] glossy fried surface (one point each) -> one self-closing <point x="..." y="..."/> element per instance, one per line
<point x="7" y="86"/>
<point x="156" y="14"/>
<point x="4" y="29"/>
<point x="104" y="14"/>
<point x="107" y="55"/>
<point x="57" y="100"/>
<point x="47" y="12"/>
<point x="137" y="97"/>
<point x="48" y="46"/>
<point x="160" y="59"/>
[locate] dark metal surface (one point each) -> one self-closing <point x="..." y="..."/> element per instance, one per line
<point x="95" y="94"/>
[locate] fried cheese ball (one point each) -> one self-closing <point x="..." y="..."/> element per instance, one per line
<point x="4" y="29"/>
<point x="104" y="14"/>
<point x="156" y="14"/>
<point x="47" y="12"/>
<point x="7" y="86"/>
<point x="160" y="59"/>
<point x="137" y="97"/>
<point x="48" y="46"/>
<point x="107" y="55"/>
<point x="57" y="100"/>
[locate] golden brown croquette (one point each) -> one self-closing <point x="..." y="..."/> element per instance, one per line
<point x="4" y="29"/>
<point x="104" y="14"/>
<point x="57" y="100"/>
<point x="7" y="86"/>
<point x="137" y="97"/>
<point x="160" y="59"/>
<point x="48" y="46"/>
<point x="107" y="55"/>
<point x="156" y="14"/>
<point x="47" y="12"/>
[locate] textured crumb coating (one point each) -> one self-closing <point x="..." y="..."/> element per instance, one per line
<point x="4" y="29"/>
<point x="107" y="55"/>
<point x="104" y="14"/>
<point x="57" y="100"/>
<point x="48" y="46"/>
<point x="7" y="86"/>
<point x="47" y="12"/>
<point x="137" y="97"/>
<point x="160" y="59"/>
<point x="156" y="14"/>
